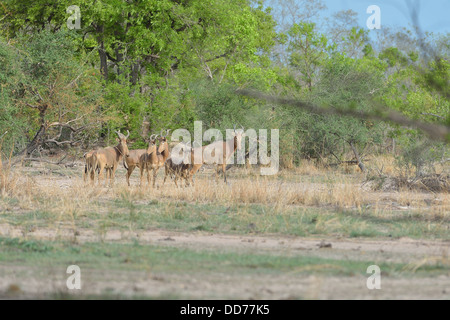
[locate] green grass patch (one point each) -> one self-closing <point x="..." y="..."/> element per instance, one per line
<point x="136" y="257"/>
<point x="126" y="214"/>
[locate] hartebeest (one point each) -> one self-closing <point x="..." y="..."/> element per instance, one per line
<point x="178" y="168"/>
<point x="108" y="158"/>
<point x="224" y="149"/>
<point x="176" y="171"/>
<point x="132" y="161"/>
<point x="149" y="160"/>
<point x="155" y="157"/>
<point x="90" y="165"/>
<point x="163" y="148"/>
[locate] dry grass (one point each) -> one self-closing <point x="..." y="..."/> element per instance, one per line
<point x="66" y="198"/>
<point x="241" y="189"/>
<point x="308" y="168"/>
<point x="383" y="164"/>
<point x="11" y="183"/>
<point x="385" y="175"/>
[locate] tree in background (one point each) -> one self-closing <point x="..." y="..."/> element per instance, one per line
<point x="308" y="52"/>
<point x="51" y="96"/>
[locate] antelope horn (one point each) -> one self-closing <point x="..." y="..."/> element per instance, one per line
<point x="234" y="127"/>
<point x="151" y="137"/>
<point x="128" y="134"/>
<point x="120" y="134"/>
<point x="167" y="132"/>
<point x="161" y="133"/>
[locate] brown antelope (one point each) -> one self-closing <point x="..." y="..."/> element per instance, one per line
<point x="176" y="171"/>
<point x="178" y="168"/>
<point x="132" y="161"/>
<point x="224" y="149"/>
<point x="155" y="157"/>
<point x="163" y="148"/>
<point x="149" y="160"/>
<point x="108" y="158"/>
<point x="90" y="165"/>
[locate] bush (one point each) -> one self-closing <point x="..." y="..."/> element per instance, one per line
<point x="50" y="96"/>
<point x="419" y="157"/>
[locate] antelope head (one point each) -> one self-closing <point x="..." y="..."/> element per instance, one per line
<point x="152" y="144"/>
<point x="122" y="139"/>
<point x="238" y="135"/>
<point x="163" y="141"/>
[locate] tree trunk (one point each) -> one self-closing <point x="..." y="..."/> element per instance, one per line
<point x="358" y="159"/>
<point x="119" y="59"/>
<point x="102" y="53"/>
<point x="134" y="73"/>
<point x="38" y="139"/>
<point x="36" y="142"/>
<point x="145" y="129"/>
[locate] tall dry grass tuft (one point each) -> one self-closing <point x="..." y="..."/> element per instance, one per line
<point x="9" y="180"/>
<point x="383" y="164"/>
<point x="266" y="191"/>
<point x="308" y="167"/>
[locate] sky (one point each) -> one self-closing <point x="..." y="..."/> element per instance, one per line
<point x="434" y="15"/>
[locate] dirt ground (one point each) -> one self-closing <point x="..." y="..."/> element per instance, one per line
<point x="258" y="286"/>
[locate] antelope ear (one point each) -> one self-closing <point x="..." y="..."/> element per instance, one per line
<point x="117" y="139"/>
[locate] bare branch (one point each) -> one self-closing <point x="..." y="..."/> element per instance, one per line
<point x="218" y="57"/>
<point x="59" y="143"/>
<point x="45" y="160"/>
<point x="56" y="124"/>
<point x="31" y="106"/>
<point x="432" y="114"/>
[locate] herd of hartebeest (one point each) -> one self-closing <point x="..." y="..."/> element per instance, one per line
<point x="158" y="155"/>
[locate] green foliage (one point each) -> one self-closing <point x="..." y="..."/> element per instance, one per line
<point x="437" y="77"/>
<point x="308" y="51"/>
<point x="344" y="83"/>
<point x="394" y="57"/>
<point x="218" y="106"/>
<point x="356" y="44"/>
<point x="10" y="78"/>
<point x="418" y="92"/>
<point x="419" y="156"/>
<point x="50" y="87"/>
<point x="15" y="244"/>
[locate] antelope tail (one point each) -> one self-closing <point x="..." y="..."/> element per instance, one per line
<point x="95" y="165"/>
